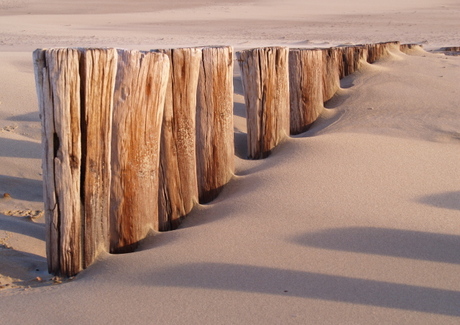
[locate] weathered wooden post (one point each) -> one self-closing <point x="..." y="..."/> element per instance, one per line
<point x="265" y="78"/>
<point x="214" y="122"/>
<point x="361" y="54"/>
<point x="139" y="99"/>
<point x="178" y="170"/>
<point x="58" y="89"/>
<point x="331" y="73"/>
<point x="373" y="53"/>
<point x="351" y="56"/>
<point x="347" y="61"/>
<point x="306" y="87"/>
<point x="98" y="70"/>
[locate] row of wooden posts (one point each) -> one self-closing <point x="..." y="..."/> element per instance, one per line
<point x="134" y="140"/>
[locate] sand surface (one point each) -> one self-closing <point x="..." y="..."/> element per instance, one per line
<point x="356" y="221"/>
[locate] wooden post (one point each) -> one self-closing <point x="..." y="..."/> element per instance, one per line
<point x="331" y="73"/>
<point x="350" y="59"/>
<point x="178" y="170"/>
<point x="265" y="77"/>
<point x="373" y="51"/>
<point x="58" y="89"/>
<point x="139" y="98"/>
<point x="306" y="87"/>
<point x="361" y="54"/>
<point x="214" y="130"/>
<point x="98" y="70"/>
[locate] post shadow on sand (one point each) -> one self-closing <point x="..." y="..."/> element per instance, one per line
<point x="410" y="244"/>
<point x="20" y="149"/>
<point x="22" y="188"/>
<point x="446" y="200"/>
<point x="274" y="281"/>
<point x="237" y="84"/>
<point x="20" y="265"/>
<point x="21" y="225"/>
<point x="239" y="109"/>
<point x="28" y="117"/>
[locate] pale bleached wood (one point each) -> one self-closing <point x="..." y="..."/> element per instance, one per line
<point x="265" y="78"/>
<point x="215" y="134"/>
<point x="98" y="81"/>
<point x="178" y="191"/>
<point x="331" y="73"/>
<point x="45" y="102"/>
<point x="306" y="87"/>
<point x="58" y="70"/>
<point x="139" y="97"/>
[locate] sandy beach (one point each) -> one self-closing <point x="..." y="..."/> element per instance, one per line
<point x="356" y="221"/>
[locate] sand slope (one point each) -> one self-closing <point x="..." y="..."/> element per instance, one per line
<point x="354" y="222"/>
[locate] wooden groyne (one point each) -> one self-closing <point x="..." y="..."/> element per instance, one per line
<point x="133" y="140"/>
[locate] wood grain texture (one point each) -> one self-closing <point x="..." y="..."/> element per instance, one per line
<point x="348" y="60"/>
<point x="214" y="125"/>
<point x="331" y="73"/>
<point x="178" y="172"/>
<point x="306" y="87"/>
<point x="98" y="70"/>
<point x="58" y="80"/>
<point x="139" y="97"/>
<point x="265" y="78"/>
<point x="45" y="103"/>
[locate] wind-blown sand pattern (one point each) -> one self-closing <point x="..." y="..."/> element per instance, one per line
<point x="355" y="221"/>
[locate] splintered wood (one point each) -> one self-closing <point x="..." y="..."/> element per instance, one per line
<point x="75" y="88"/>
<point x="59" y="99"/>
<point x="98" y="80"/>
<point x="265" y="77"/>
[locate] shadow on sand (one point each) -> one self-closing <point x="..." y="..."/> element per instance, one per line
<point x="274" y="281"/>
<point x="446" y="200"/>
<point x="387" y="242"/>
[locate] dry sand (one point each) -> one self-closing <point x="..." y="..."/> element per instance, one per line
<point x="354" y="222"/>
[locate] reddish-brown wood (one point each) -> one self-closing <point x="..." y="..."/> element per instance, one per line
<point x="265" y="77"/>
<point x="214" y="125"/>
<point x="331" y="73"/>
<point x="98" y="70"/>
<point x="139" y="98"/>
<point x="178" y="170"/>
<point x="306" y="88"/>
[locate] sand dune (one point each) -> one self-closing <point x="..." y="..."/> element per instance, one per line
<point x="355" y="221"/>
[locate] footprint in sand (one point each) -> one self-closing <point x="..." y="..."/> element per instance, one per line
<point x="30" y="214"/>
<point x="9" y="128"/>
